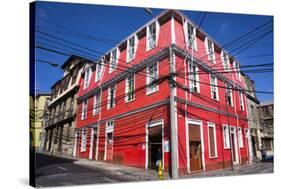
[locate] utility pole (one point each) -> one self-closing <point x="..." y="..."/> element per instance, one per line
<point x="229" y="132"/>
<point x="174" y="138"/>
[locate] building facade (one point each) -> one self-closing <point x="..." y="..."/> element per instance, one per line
<point x="166" y="88"/>
<point x="254" y="120"/>
<point x="59" y="127"/>
<point x="266" y="116"/>
<point x="37" y="128"/>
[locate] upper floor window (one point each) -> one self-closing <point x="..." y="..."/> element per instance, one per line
<point x="214" y="87"/>
<point x="130" y="88"/>
<point x="151" y="77"/>
<point x="237" y="70"/>
<point x="225" y="60"/>
<point x="97" y="103"/>
<point x="88" y="74"/>
<point x="193" y="77"/>
<point x="84" y="110"/>
<point x="210" y="50"/>
<point x="229" y="95"/>
<point x="241" y="101"/>
<point x="99" y="69"/>
<point x="113" y="60"/>
<point x="111" y="97"/>
<point x="212" y="140"/>
<point x="190" y="31"/>
<point x="131" y="48"/>
<point x="152" y="35"/>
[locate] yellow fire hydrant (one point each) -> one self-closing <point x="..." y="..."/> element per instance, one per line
<point x="160" y="170"/>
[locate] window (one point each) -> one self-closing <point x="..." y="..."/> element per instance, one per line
<point x="212" y="140"/>
<point x="97" y="103"/>
<point x="214" y="88"/>
<point x="152" y="33"/>
<point x="226" y="137"/>
<point x="193" y="78"/>
<point x="210" y="50"/>
<point x="99" y="69"/>
<point x="241" y="101"/>
<point x="111" y="97"/>
<point x="131" y="48"/>
<point x="113" y="60"/>
<point x="191" y="36"/>
<point x="240" y="137"/>
<point x="228" y="95"/>
<point x="88" y="74"/>
<point x="151" y="77"/>
<point x="130" y="88"/>
<point x="109" y="133"/>
<point x="84" y="141"/>
<point x="225" y="60"/>
<point x="266" y="110"/>
<point x="237" y="70"/>
<point x="84" y="110"/>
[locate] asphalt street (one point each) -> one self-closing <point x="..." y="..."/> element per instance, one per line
<point x="56" y="171"/>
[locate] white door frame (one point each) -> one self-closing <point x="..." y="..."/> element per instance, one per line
<point x="233" y="131"/>
<point x="75" y="144"/>
<point x="149" y="125"/>
<point x="198" y="123"/>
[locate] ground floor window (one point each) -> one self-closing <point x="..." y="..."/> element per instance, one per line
<point x="226" y="137"/>
<point x="212" y="140"/>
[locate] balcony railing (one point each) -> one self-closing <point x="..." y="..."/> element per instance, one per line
<point x="60" y="117"/>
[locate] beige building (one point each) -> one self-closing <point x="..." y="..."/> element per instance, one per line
<point x="266" y="116"/>
<point x="37" y="111"/>
<point x="60" y="124"/>
<point x="253" y="120"/>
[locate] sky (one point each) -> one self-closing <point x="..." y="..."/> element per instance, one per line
<point x="102" y="27"/>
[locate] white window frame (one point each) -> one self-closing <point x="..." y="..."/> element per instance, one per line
<point x="227" y="63"/>
<point x="99" y="69"/>
<point x="211" y="54"/>
<point x="191" y="79"/>
<point x="210" y="124"/>
<point x="228" y="90"/>
<point x="84" y="110"/>
<point x="149" y="79"/>
<point x="83" y="146"/>
<point x="127" y="88"/>
<point x="113" y="60"/>
<point x="148" y="35"/>
<point x="241" y="100"/>
<point x="226" y="137"/>
<point x="237" y="70"/>
<point x="240" y="138"/>
<point x="214" y="87"/>
<point x="194" y="43"/>
<point x="128" y="58"/>
<point x="109" y="97"/>
<point x="87" y="78"/>
<point x="108" y="129"/>
<point x="96" y="105"/>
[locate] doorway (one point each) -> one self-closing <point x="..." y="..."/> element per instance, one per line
<point x="195" y="148"/>
<point x="233" y="135"/>
<point x="93" y="143"/>
<point x="155" y="145"/>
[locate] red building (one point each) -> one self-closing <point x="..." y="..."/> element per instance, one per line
<point x="126" y="109"/>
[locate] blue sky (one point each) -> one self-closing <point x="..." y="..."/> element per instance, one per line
<point x="101" y="27"/>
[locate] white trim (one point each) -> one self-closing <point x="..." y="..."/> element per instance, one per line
<point x="235" y="142"/>
<point x="87" y="78"/>
<point x="95" y="107"/>
<point x="225" y="135"/>
<point x="100" y="64"/>
<point x="127" y="88"/>
<point x="186" y="23"/>
<point x="83" y="139"/>
<point x="197" y="78"/>
<point x="198" y="123"/>
<point x="109" y="97"/>
<point x="149" y="125"/>
<point x="84" y="109"/>
<point x="91" y="144"/>
<point x="217" y="89"/>
<point x="173" y="35"/>
<point x="213" y="125"/>
<point x="128" y="59"/>
<point x="208" y="52"/>
<point x="148" y="90"/>
<point x="226" y="64"/>
<point x="240" y="137"/>
<point x="111" y="68"/>
<point x="108" y="130"/>
<point x="97" y="146"/>
<point x="241" y="101"/>
<point x="75" y="144"/>
<point x="148" y="48"/>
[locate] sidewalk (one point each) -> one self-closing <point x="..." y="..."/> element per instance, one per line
<point x="132" y="173"/>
